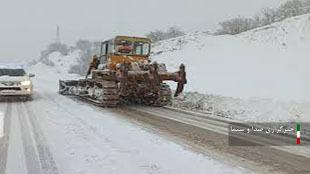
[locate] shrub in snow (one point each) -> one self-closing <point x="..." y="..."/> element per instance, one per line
<point x="87" y="49"/>
<point x="51" y="48"/>
<point x="47" y="62"/>
<point x="265" y="17"/>
<point x="190" y="100"/>
<point x="159" y="35"/>
<point x="55" y="47"/>
<point x="32" y="62"/>
<point x="253" y="109"/>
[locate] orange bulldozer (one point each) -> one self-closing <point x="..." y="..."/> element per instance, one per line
<point x="123" y="72"/>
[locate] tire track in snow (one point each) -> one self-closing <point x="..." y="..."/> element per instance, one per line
<point x="1" y="124"/>
<point x="86" y="128"/>
<point x="31" y="155"/>
<point x="48" y="165"/>
<point x="16" y="159"/>
<point x="4" y="141"/>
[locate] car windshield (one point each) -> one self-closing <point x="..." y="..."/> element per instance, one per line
<point x="12" y="72"/>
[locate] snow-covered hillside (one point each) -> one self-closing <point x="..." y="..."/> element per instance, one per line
<point x="57" y="66"/>
<point x="293" y="33"/>
<point x="268" y="62"/>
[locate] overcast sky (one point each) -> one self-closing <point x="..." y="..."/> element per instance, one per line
<point x="27" y="26"/>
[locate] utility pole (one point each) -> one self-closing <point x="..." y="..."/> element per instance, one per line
<point x="58" y="35"/>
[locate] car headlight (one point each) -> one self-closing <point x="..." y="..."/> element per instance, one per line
<point x="26" y="83"/>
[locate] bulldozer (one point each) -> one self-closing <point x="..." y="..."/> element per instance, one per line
<point x="123" y="73"/>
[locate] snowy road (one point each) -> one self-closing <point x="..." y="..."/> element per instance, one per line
<point x="209" y="135"/>
<point x="1" y="124"/>
<point x="23" y="147"/>
<point x="55" y="134"/>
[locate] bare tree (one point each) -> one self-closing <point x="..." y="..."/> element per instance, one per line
<point x="267" y="16"/>
<point x="87" y="49"/>
<point x="291" y="8"/>
<point x="159" y="35"/>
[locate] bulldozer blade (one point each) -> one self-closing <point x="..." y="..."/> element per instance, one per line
<point x="182" y="80"/>
<point x="64" y="86"/>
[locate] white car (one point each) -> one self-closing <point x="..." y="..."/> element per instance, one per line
<point x="15" y="82"/>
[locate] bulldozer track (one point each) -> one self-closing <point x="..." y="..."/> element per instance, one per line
<point x="108" y="92"/>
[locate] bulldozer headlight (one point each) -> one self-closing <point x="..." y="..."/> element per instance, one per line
<point x="26" y="83"/>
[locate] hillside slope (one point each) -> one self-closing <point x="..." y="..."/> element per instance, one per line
<point x="268" y="62"/>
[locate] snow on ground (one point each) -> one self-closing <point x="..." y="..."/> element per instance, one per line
<point x="62" y="64"/>
<point x="293" y="33"/>
<point x="89" y="140"/>
<point x="239" y="67"/>
<point x="252" y="109"/>
<point x="270" y="64"/>
<point x="252" y="76"/>
<point x="58" y="66"/>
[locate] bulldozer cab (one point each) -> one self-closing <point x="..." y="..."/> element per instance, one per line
<point x="124" y="49"/>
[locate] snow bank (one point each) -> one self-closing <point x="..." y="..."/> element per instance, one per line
<point x="252" y="109"/>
